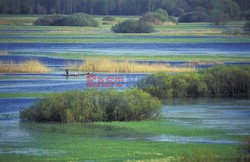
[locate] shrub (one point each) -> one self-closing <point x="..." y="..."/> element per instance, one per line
<point x="194" y="17"/>
<point x="246" y="28"/>
<point x="153" y="18"/>
<point x="51" y="20"/>
<point x="218" y="81"/>
<point x="228" y="81"/>
<point x="78" y="19"/>
<point x="163" y="85"/>
<point x="109" y="18"/>
<point x="133" y="26"/>
<point x="93" y="105"/>
<point x="163" y="14"/>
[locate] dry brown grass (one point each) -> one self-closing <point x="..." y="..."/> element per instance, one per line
<point x="32" y="66"/>
<point x="3" y="52"/>
<point x="107" y="65"/>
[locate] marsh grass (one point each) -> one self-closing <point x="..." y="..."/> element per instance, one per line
<point x="32" y="66"/>
<point x="108" y="65"/>
<point x="3" y="52"/>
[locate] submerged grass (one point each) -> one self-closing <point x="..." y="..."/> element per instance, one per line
<point x="107" y="65"/>
<point x="90" y="141"/>
<point x="32" y="66"/>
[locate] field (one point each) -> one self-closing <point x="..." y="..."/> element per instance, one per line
<point x="191" y="129"/>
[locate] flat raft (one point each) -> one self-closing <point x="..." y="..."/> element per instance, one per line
<point x="67" y="75"/>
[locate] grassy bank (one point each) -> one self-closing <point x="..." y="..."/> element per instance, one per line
<point x="106" y="65"/>
<point x="24" y="67"/>
<point x="26" y="95"/>
<point x="219" y="81"/>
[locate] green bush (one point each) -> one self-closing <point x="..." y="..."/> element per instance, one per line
<point x="92" y="105"/>
<point x="163" y="14"/>
<point x="133" y="26"/>
<point x="51" y="20"/>
<point x="78" y="19"/>
<point x="228" y="81"/>
<point x="221" y="81"/>
<point x="109" y="18"/>
<point x="162" y="85"/>
<point x="153" y="18"/>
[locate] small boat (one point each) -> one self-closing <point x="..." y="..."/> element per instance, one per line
<point x="67" y="75"/>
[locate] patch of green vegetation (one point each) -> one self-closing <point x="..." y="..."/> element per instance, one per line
<point x="107" y="142"/>
<point x="219" y="81"/>
<point x="93" y="105"/>
<point x="25" y="95"/>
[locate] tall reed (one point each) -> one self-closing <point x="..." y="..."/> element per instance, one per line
<point x="107" y="65"/>
<point x="32" y="66"/>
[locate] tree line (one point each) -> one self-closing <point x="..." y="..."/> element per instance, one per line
<point x="120" y="7"/>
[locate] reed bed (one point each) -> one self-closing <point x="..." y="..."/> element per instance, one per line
<point x="107" y="65"/>
<point x="31" y="66"/>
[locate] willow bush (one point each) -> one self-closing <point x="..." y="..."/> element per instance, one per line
<point x="94" y="105"/>
<point x="219" y="81"/>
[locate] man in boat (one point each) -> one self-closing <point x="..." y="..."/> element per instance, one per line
<point x="67" y="71"/>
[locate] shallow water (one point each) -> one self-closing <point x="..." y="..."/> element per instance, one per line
<point x="56" y="82"/>
<point x="225" y="49"/>
<point x="231" y="115"/>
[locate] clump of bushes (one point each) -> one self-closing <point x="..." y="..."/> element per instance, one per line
<point x="93" y="105"/>
<point x="78" y="19"/>
<point x="133" y="26"/>
<point x="51" y="20"/>
<point x="218" y="81"/>
<point x="156" y="18"/>
<point x="109" y="18"/>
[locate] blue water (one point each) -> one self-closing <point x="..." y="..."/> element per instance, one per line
<point x="225" y="49"/>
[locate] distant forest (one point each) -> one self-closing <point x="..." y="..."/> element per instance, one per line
<point x="122" y="7"/>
